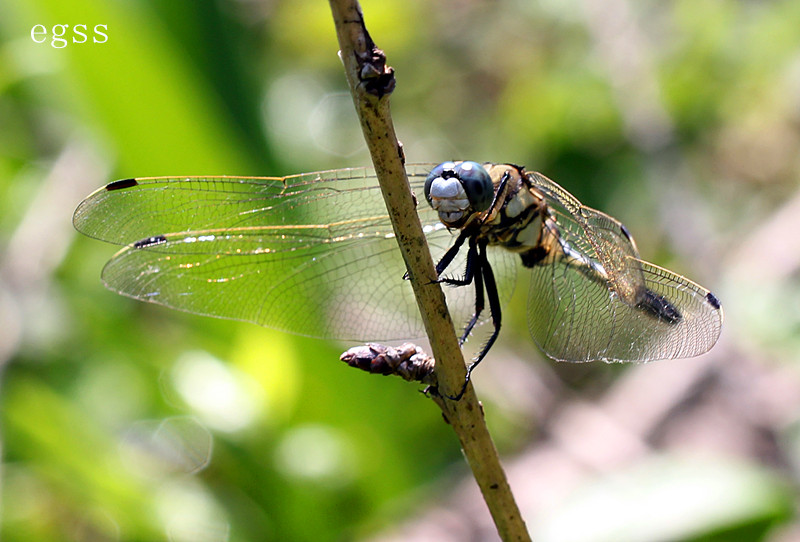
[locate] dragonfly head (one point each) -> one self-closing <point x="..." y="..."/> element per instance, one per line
<point x="457" y="190"/>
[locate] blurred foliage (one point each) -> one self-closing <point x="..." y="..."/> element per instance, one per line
<point x="129" y="422"/>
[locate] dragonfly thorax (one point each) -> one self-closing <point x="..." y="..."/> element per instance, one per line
<point x="514" y="220"/>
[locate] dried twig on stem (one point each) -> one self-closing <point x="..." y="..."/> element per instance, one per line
<point x="407" y="361"/>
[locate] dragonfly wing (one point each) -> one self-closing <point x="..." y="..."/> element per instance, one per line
<point x="600" y="237"/>
<point x="700" y="312"/>
<point x="126" y="211"/>
<point x="593" y="298"/>
<point x="573" y="317"/>
<point x="350" y="289"/>
<point x="312" y="254"/>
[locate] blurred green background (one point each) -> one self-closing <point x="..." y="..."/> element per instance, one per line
<point x="124" y="421"/>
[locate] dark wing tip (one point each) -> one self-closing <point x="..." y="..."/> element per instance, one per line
<point x="625" y="231"/>
<point x="123" y="183"/>
<point x="150" y="241"/>
<point x="713" y="301"/>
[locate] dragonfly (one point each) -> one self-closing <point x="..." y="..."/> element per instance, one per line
<point x="314" y="254"/>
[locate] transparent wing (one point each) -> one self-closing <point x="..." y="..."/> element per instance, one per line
<point x="593" y="298"/>
<point x="312" y="254"/>
<point x="130" y="210"/>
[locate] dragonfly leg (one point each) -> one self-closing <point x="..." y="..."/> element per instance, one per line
<point x="499" y="196"/>
<point x="472" y="273"/>
<point x="469" y="271"/>
<point x="494" y="306"/>
<point x="474" y="263"/>
<point x="487" y="279"/>
<point x="448" y="257"/>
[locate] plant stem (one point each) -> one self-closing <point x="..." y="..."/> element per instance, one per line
<point x="371" y="82"/>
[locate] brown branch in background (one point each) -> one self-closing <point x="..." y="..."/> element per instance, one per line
<point x="371" y="82"/>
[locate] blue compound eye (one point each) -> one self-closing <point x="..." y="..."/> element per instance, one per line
<point x="477" y="184"/>
<point x="445" y="169"/>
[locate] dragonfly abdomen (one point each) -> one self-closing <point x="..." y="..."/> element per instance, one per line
<point x="658" y="306"/>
